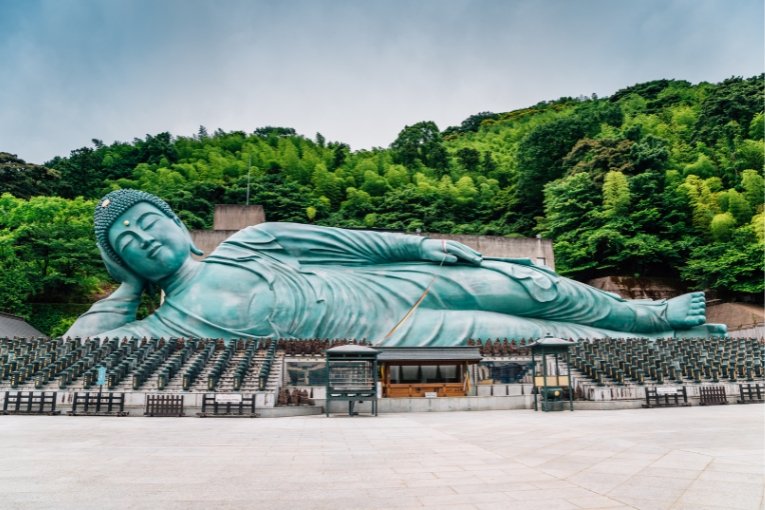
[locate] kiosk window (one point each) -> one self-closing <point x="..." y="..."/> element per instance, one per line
<point x="410" y="374"/>
<point x="449" y="373"/>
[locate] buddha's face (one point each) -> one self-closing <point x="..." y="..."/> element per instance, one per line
<point x="151" y="244"/>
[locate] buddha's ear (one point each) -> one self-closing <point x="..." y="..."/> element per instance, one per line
<point x="192" y="247"/>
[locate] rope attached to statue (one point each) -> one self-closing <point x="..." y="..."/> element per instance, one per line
<point x="421" y="298"/>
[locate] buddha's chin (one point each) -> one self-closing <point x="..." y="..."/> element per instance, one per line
<point x="164" y="270"/>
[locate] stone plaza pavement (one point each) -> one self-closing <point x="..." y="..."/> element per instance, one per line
<point x="684" y="458"/>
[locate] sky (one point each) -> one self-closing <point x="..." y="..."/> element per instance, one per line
<point x="355" y="71"/>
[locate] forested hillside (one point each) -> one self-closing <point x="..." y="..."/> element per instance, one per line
<point x="661" y="179"/>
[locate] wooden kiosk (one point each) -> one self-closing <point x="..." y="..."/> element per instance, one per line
<point x="408" y="372"/>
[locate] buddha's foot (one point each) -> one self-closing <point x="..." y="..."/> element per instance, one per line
<point x="705" y="330"/>
<point x="687" y="311"/>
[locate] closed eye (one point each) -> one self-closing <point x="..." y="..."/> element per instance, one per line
<point x="146" y="220"/>
<point x="125" y="242"/>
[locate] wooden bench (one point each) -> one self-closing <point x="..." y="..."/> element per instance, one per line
<point x="164" y="405"/>
<point x="751" y="393"/>
<point x="95" y="403"/>
<point x="29" y="402"/>
<point x="227" y="405"/>
<point x="666" y="397"/>
<point x="712" y="395"/>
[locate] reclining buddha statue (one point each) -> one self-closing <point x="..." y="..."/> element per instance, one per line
<point x="291" y="280"/>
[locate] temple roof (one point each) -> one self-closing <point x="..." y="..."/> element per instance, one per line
<point x="14" y="326"/>
<point x="429" y="354"/>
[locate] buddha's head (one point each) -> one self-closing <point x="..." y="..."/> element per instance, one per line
<point x="139" y="232"/>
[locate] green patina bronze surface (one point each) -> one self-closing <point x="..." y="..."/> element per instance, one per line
<point x="304" y="281"/>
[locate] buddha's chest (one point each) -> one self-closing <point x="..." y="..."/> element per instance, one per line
<point x="230" y="297"/>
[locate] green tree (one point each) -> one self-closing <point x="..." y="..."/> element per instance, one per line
<point x="734" y="100"/>
<point x="616" y="194"/>
<point x="733" y="266"/>
<point x="702" y="201"/>
<point x="736" y="205"/>
<point x="722" y="226"/>
<point x="469" y="159"/>
<point x="24" y="180"/>
<point x="704" y="167"/>
<point x="421" y="143"/>
<point x="540" y="160"/>
<point x="15" y="285"/>
<point x="571" y="206"/>
<point x="757" y="127"/>
<point x="754" y="187"/>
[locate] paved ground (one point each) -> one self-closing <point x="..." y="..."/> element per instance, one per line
<point x="688" y="458"/>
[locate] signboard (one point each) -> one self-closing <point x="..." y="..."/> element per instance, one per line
<point x="431" y="394"/>
<point x="223" y="398"/>
<point x="666" y="391"/>
<point x="101" y="380"/>
<point x="552" y="380"/>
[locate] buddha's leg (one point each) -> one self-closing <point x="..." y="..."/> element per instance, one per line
<point x="560" y="299"/>
<point x="681" y="312"/>
<point x="445" y="328"/>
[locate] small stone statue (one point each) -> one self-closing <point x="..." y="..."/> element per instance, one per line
<point x="302" y="281"/>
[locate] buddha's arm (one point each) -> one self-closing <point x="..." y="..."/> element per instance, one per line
<point x="326" y="245"/>
<point x="295" y="243"/>
<point x="107" y="314"/>
<point x="149" y="327"/>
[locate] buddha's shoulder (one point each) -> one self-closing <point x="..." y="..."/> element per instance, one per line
<point x="257" y="234"/>
<point x="227" y="276"/>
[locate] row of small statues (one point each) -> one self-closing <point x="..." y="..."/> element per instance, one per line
<point x="503" y="347"/>
<point x="314" y="346"/>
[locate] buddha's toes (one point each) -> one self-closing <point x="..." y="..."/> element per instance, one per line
<point x="687" y="311"/>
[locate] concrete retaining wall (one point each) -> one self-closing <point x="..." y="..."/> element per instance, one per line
<point x="421" y="405"/>
<point x="630" y="287"/>
<point x="503" y="390"/>
<point x="595" y="393"/>
<point x="753" y="332"/>
<point x="538" y="250"/>
<point x="208" y="240"/>
<point x="237" y="217"/>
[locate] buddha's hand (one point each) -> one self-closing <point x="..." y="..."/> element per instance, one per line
<point x="131" y="282"/>
<point x="448" y="252"/>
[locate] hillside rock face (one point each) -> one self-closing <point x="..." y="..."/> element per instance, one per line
<point x="736" y="316"/>
<point x="630" y="287"/>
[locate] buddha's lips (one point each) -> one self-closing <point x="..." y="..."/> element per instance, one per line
<point x="153" y="250"/>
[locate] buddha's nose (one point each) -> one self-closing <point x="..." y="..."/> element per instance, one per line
<point x="145" y="239"/>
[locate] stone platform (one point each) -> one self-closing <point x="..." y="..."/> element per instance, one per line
<point x="682" y="458"/>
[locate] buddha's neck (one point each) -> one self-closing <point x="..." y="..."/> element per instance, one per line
<point x="184" y="276"/>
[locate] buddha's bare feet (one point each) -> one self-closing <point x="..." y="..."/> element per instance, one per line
<point x="706" y="330"/>
<point x="687" y="311"/>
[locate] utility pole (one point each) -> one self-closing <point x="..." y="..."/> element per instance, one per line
<point x="249" y="168"/>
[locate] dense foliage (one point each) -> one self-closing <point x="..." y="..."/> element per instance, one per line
<point x="661" y="179"/>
